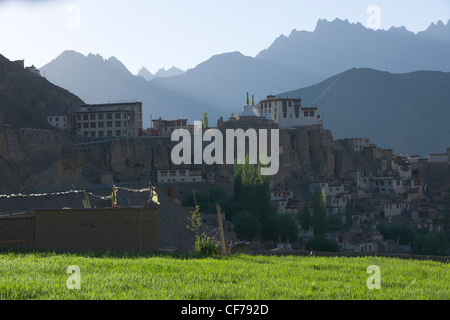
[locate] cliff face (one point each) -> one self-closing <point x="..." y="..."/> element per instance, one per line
<point x="36" y="161"/>
<point x="305" y="153"/>
<point x="131" y="160"/>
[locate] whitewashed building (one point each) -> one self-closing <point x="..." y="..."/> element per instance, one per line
<point x="61" y="122"/>
<point x="288" y="112"/>
<point x="180" y="176"/>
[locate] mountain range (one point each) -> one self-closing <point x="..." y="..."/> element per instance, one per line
<point x="161" y="73"/>
<point x="407" y="112"/>
<point x="309" y="60"/>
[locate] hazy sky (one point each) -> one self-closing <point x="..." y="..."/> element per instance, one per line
<point x="183" y="33"/>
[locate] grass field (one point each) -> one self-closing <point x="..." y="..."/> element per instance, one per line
<point x="29" y="276"/>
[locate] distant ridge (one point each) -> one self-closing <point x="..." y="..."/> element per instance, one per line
<point x="336" y="46"/>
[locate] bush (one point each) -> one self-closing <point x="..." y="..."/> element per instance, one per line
<point x="207" y="245"/>
<point x="324" y="244"/>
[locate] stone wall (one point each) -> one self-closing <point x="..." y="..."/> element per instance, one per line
<point x="17" y="231"/>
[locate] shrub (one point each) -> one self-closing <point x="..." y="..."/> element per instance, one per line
<point x="324" y="244"/>
<point x="207" y="245"/>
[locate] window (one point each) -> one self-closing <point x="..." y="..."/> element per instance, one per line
<point x="50" y="119"/>
<point x="305" y="113"/>
<point x="85" y="117"/>
<point x="100" y="134"/>
<point x="118" y="124"/>
<point x="117" y="133"/>
<point x="311" y="113"/>
<point x="284" y="111"/>
<point x="101" y="124"/>
<point x="118" y="115"/>
<point x="78" y="118"/>
<point x="109" y="133"/>
<point x="173" y="173"/>
<point x="297" y="111"/>
<point x="109" y="124"/>
<point x="93" y="134"/>
<point x="79" y="125"/>
<point x="92" y="117"/>
<point x="86" y="125"/>
<point x="182" y="173"/>
<point x="93" y="124"/>
<point x="164" y="173"/>
<point x="109" y="116"/>
<point x="100" y="116"/>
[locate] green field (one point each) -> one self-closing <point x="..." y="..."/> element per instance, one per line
<point x="29" y="276"/>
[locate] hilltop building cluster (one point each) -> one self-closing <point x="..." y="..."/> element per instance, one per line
<point x="391" y="191"/>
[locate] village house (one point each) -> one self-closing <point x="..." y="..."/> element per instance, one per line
<point x="164" y="128"/>
<point x="180" y="176"/>
<point x="356" y="144"/>
<point x="356" y="240"/>
<point x="62" y="122"/>
<point x="284" y="201"/>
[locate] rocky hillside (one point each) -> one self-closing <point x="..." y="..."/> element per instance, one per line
<point x="32" y="157"/>
<point x="27" y="99"/>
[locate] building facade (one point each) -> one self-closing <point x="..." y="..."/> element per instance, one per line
<point x="61" y="122"/>
<point x="165" y="128"/>
<point x="109" y="120"/>
<point x="180" y="176"/>
<point x="288" y="112"/>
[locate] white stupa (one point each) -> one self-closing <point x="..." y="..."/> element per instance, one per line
<point x="249" y="112"/>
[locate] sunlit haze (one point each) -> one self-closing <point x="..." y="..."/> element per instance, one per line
<point x="180" y="33"/>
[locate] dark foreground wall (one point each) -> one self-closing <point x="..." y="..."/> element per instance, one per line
<point x="127" y="229"/>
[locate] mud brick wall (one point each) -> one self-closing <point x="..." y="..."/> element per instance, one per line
<point x="17" y="232"/>
<point x="118" y="229"/>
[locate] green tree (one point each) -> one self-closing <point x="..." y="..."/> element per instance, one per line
<point x="324" y="244"/>
<point x="304" y="218"/>
<point x="205" y="120"/>
<point x="251" y="192"/>
<point x="446" y="212"/>
<point x="246" y="226"/>
<point x="349" y="215"/>
<point x="320" y="218"/>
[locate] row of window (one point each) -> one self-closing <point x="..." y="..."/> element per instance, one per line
<point x="99" y="116"/>
<point x="182" y="173"/>
<point x="50" y="119"/>
<point x="296" y="112"/>
<point x="109" y="124"/>
<point x="283" y="104"/>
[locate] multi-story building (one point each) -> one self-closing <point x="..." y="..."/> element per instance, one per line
<point x="288" y="112"/>
<point x="109" y="120"/>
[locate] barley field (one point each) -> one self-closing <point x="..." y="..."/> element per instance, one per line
<point x="116" y="276"/>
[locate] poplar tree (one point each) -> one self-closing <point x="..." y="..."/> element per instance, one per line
<point x="320" y="218"/>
